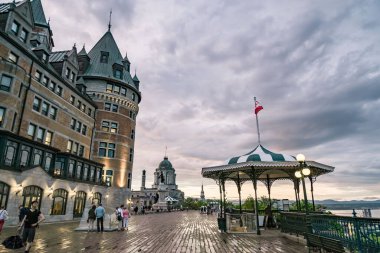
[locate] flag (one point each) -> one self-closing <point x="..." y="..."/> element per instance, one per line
<point x="258" y="107"/>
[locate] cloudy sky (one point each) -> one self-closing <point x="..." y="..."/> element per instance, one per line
<point x="313" y="65"/>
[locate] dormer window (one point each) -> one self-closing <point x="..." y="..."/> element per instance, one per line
<point x="104" y="57"/>
<point x="23" y="35"/>
<point x="67" y="72"/>
<point x="118" y="74"/>
<point x="44" y="57"/>
<point x="15" y="27"/>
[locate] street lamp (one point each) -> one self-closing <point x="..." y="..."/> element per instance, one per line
<point x="304" y="171"/>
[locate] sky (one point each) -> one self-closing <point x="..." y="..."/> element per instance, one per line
<point x="313" y="65"/>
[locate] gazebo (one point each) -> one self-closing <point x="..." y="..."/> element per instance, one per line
<point x="263" y="165"/>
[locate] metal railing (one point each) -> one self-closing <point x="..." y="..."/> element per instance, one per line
<point x="241" y="223"/>
<point x="356" y="234"/>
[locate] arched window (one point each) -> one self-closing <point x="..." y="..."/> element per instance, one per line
<point x="10" y="153"/>
<point x="4" y="194"/>
<point x="79" y="203"/>
<point x="48" y="161"/>
<point x="25" y="155"/>
<point x="30" y="194"/>
<point x="59" y="202"/>
<point x="37" y="157"/>
<point x="97" y="198"/>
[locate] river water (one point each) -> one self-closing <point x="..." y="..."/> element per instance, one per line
<point x="359" y="213"/>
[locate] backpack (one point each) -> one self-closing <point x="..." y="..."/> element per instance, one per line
<point x="91" y="214"/>
<point x="119" y="217"/>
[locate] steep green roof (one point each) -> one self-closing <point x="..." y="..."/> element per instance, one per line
<point x="38" y="13"/>
<point x="108" y="45"/>
<point x="83" y="51"/>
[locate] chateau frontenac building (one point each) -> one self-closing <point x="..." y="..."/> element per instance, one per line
<point x="67" y="118"/>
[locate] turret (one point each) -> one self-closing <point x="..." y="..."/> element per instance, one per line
<point x="83" y="60"/>
<point x="126" y="63"/>
<point x="136" y="81"/>
<point x="143" y="180"/>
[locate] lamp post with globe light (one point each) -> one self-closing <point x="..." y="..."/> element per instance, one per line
<point x="304" y="171"/>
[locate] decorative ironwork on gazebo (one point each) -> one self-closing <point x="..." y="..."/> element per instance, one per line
<point x="262" y="165"/>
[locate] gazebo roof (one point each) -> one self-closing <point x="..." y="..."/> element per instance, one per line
<point x="264" y="165"/>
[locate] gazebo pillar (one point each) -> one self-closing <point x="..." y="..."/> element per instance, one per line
<point x="256" y="202"/>
<point x="221" y="200"/>
<point x="312" y="180"/>
<point x="239" y="191"/>
<point x="224" y="197"/>
<point x="268" y="183"/>
<point x="296" y="188"/>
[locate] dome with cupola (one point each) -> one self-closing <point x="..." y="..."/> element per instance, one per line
<point x="165" y="164"/>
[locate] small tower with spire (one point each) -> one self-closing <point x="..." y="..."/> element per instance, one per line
<point x="202" y="194"/>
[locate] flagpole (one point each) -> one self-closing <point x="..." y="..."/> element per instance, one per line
<point x="257" y="122"/>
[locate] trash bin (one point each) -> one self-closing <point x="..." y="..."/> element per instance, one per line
<point x="222" y="224"/>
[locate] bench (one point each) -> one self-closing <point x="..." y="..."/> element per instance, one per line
<point x="325" y="243"/>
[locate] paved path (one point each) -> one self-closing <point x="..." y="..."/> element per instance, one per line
<point x="164" y="232"/>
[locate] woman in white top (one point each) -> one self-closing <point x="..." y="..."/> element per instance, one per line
<point x="3" y="217"/>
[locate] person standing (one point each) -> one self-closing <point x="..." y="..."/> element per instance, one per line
<point x="30" y="222"/>
<point x="22" y="212"/>
<point x="91" y="218"/>
<point x="3" y="217"/>
<point x="125" y="218"/>
<point x="119" y="217"/>
<point x="100" y="212"/>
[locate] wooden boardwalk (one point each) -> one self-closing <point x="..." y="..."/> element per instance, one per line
<point x="162" y="232"/>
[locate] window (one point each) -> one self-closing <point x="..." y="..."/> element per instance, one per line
<point x="72" y="76"/>
<point x="38" y="75"/>
<point x="67" y="72"/>
<point x="133" y="96"/>
<point x="78" y="172"/>
<point x="15" y="27"/>
<point x="129" y="180"/>
<point x="13" y="58"/>
<point x="48" y="138"/>
<point x="5" y="83"/>
<point x="59" y="166"/>
<point x="70" y="172"/>
<point x="78" y="126"/>
<point x="102" y="149"/>
<point x="81" y="150"/>
<point x="2" y="116"/>
<point x="131" y="154"/>
<point x="37" y="104"/>
<point x="115" y="108"/>
<point x="84" y="129"/>
<point x="85" y="172"/>
<point x="23" y="35"/>
<point x="108" y="176"/>
<point x="25" y="155"/>
<point x="123" y="91"/>
<point x="72" y="100"/>
<point x="32" y="130"/>
<point x="83" y="108"/>
<point x="47" y="162"/>
<point x="116" y="89"/>
<point x="59" y="202"/>
<point x="89" y="112"/>
<point x="37" y="157"/>
<point x="4" y="194"/>
<point x="79" y="203"/>
<point x="97" y="198"/>
<point x="45" y="81"/>
<point x="69" y="146"/>
<point x="113" y="127"/>
<point x="52" y="86"/>
<point x="118" y="74"/>
<point x="132" y="134"/>
<point x="131" y="114"/>
<point x="92" y="173"/>
<point x="44" y="57"/>
<point x="107" y="106"/>
<point x="109" y="88"/>
<point x="31" y="193"/>
<point x="104" y="57"/>
<point x="111" y="149"/>
<point x="45" y="108"/>
<point x="73" y="123"/>
<point x="105" y="126"/>
<point x="10" y="153"/>
<point x="53" y="112"/>
<point x="59" y="90"/>
<point x="75" y="148"/>
<point x="40" y="134"/>
<point x="79" y="105"/>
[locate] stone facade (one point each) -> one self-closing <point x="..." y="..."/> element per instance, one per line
<point x="67" y="118"/>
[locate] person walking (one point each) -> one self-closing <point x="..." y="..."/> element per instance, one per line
<point x="125" y="218"/>
<point x="91" y="218"/>
<point x="22" y="212"/>
<point x="119" y="217"/>
<point x="30" y="222"/>
<point x="3" y="217"/>
<point x="100" y="212"/>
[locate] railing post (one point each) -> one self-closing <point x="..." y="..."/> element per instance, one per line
<point x="357" y="232"/>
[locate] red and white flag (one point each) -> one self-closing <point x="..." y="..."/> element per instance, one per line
<point x="258" y="107"/>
